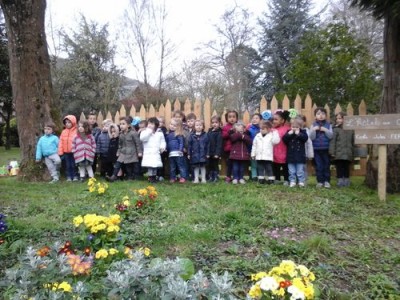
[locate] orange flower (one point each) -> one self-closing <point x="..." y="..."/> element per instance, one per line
<point x="43" y="251"/>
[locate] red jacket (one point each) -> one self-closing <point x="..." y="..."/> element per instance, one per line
<point x="280" y="150"/>
<point x="226" y="136"/>
<point x="67" y="136"/>
<point x="240" y="145"/>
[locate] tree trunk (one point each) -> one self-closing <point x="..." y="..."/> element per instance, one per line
<point x="390" y="103"/>
<point x="30" y="76"/>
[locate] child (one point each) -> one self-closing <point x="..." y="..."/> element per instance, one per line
<point x="231" y="118"/>
<point x="113" y="133"/>
<point x="129" y="150"/>
<point x="187" y="131"/>
<point x="253" y="129"/>
<point x="95" y="130"/>
<point x="321" y="134"/>
<point x="102" y="145"/>
<point x="175" y="144"/>
<point x="341" y="149"/>
<point x="280" y="165"/>
<point x="263" y="151"/>
<point x="309" y="146"/>
<point x="47" y="147"/>
<point x="84" y="149"/>
<point x="164" y="155"/>
<point x="198" y="151"/>
<point x="240" y="141"/>
<point x="215" y="148"/>
<point x="153" y="145"/>
<point x="65" y="146"/>
<point x="295" y="139"/>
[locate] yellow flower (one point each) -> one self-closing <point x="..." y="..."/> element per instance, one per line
<point x="92" y="181"/>
<point x="279" y="292"/>
<point x="142" y="192"/>
<point x="125" y="198"/>
<point x="92" y="188"/>
<point x="114" y="220"/>
<point x="151" y="188"/>
<point x="78" y="220"/>
<point x="258" y="276"/>
<point x="146" y="251"/>
<point x="255" y="291"/>
<point x="65" y="286"/>
<point x="304" y="271"/>
<point x="311" y="276"/>
<point x="288" y="267"/>
<point x="128" y="252"/>
<point x="113" y="228"/>
<point x="113" y="251"/>
<point x="126" y="203"/>
<point x="101" y="190"/>
<point x="102" y="253"/>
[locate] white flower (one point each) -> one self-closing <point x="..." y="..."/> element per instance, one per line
<point x="296" y="293"/>
<point x="268" y="284"/>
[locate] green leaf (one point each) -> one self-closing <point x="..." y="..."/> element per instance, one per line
<point x="187" y="267"/>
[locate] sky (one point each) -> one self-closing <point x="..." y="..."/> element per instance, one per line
<point x="191" y="22"/>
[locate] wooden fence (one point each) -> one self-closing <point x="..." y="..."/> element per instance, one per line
<point x="203" y="110"/>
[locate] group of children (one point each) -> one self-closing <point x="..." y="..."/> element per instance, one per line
<point x="277" y="145"/>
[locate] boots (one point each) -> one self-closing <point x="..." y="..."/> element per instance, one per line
<point x="112" y="178"/>
<point x="262" y="181"/>
<point x="152" y="179"/>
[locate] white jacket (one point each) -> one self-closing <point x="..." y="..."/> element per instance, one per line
<point x="263" y="146"/>
<point x="153" y="144"/>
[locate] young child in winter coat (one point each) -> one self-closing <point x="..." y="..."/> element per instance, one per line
<point x="341" y="149"/>
<point x="65" y="146"/>
<point x="253" y="129"/>
<point x="295" y="139"/>
<point x="198" y="151"/>
<point x="321" y="133"/>
<point x="47" y="147"/>
<point x="280" y="119"/>
<point x="102" y="143"/>
<point x="175" y="144"/>
<point x="262" y="151"/>
<point x="153" y="145"/>
<point x="231" y="118"/>
<point x="214" y="148"/>
<point x="129" y="150"/>
<point x="239" y="154"/>
<point x="84" y="149"/>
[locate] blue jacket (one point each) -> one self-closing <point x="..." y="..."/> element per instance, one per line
<point x="319" y="138"/>
<point x="215" y="142"/>
<point x="175" y="143"/>
<point x="102" y="143"/>
<point x="46" y="146"/>
<point x="198" y="148"/>
<point x="296" y="147"/>
<point x="252" y="130"/>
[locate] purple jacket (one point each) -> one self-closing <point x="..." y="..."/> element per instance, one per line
<point x="240" y="145"/>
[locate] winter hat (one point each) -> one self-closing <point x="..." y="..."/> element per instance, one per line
<point x="136" y="121"/>
<point x="266" y="115"/>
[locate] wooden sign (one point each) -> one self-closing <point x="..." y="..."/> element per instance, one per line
<point x="379" y="130"/>
<point x="377" y="136"/>
<point x="388" y="121"/>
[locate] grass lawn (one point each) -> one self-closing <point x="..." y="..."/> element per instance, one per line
<point x="347" y="237"/>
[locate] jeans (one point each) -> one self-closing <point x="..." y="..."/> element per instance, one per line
<point x="264" y="169"/>
<point x="322" y="165"/>
<point x="177" y="163"/>
<point x="69" y="165"/>
<point x="254" y="169"/>
<point x="296" y="171"/>
<point x="237" y="168"/>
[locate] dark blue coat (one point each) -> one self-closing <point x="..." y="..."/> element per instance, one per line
<point x="296" y="149"/>
<point x="198" y="148"/>
<point x="102" y="143"/>
<point x="112" y="149"/>
<point x="174" y="143"/>
<point x="215" y="142"/>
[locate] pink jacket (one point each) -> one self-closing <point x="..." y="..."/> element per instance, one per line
<point x="280" y="149"/>
<point x="226" y="137"/>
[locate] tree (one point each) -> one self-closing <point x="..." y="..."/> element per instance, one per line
<point x="389" y="11"/>
<point x="6" y="101"/>
<point x="232" y="56"/>
<point x="282" y="29"/>
<point x="30" y="74"/>
<point x="334" y="67"/>
<point x="88" y="78"/>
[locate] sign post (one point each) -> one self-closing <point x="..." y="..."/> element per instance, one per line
<point x="379" y="130"/>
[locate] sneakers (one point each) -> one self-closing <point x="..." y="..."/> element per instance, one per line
<point x="54" y="180"/>
<point x="292" y="184"/>
<point x="286" y="183"/>
<point x="227" y="179"/>
<point x="319" y="185"/>
<point x="75" y="179"/>
<point x="327" y="185"/>
<point x="172" y="180"/>
<point x="69" y="179"/>
<point x="182" y="180"/>
<point x="262" y="181"/>
<point x="242" y="181"/>
<point x="234" y="181"/>
<point x="196" y="180"/>
<point x="301" y="184"/>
